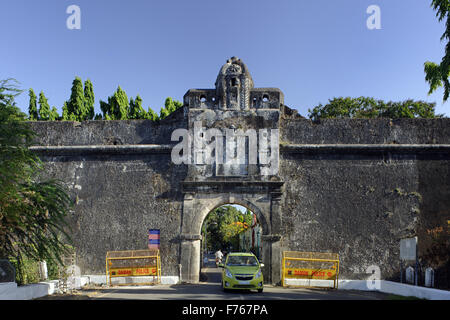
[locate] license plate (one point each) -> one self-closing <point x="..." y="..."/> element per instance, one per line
<point x="244" y="282"/>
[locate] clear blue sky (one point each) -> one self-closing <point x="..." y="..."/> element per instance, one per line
<point x="312" y="50"/>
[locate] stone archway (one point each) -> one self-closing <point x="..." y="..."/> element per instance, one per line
<point x="197" y="206"/>
<point x="243" y="169"/>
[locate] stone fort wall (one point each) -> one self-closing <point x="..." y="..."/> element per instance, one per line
<point x="351" y="186"/>
<point x="362" y="185"/>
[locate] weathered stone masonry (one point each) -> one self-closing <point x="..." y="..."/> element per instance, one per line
<point x="355" y="187"/>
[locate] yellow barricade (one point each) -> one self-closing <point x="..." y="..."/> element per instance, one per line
<point x="132" y="263"/>
<point x="310" y="266"/>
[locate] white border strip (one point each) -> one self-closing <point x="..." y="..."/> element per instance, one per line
<point x="10" y="290"/>
<point x="384" y="286"/>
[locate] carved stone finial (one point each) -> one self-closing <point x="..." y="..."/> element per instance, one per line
<point x="233" y="85"/>
<point x="234" y="91"/>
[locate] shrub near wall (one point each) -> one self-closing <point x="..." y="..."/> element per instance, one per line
<point x="28" y="272"/>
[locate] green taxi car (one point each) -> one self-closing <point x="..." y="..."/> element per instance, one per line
<point x="242" y="271"/>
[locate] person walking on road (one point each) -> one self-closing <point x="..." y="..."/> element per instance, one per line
<point x="219" y="256"/>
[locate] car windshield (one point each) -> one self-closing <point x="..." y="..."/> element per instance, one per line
<point x="242" y="261"/>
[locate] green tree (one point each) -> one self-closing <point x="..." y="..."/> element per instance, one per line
<point x="8" y="91"/>
<point x="364" y="107"/>
<point x="44" y="107"/>
<point x="80" y="106"/>
<point x="151" y="115"/>
<point x="89" y="100"/>
<point x="437" y="74"/>
<point x="32" y="107"/>
<point x="76" y="106"/>
<point x="135" y="109"/>
<point x="54" y="115"/>
<point x="106" y="109"/>
<point x="32" y="210"/>
<point x="98" y="116"/>
<point x="65" y="112"/>
<point x="170" y="106"/>
<point x="223" y="226"/>
<point x="117" y="106"/>
<point x="409" y="109"/>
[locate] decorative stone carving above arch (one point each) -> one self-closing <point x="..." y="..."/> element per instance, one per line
<point x="234" y="91"/>
<point x="233" y="85"/>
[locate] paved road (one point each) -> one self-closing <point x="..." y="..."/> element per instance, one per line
<point x="210" y="289"/>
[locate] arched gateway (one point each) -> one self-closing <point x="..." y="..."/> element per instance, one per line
<point x="232" y="152"/>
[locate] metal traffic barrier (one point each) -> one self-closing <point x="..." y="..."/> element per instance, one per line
<point x="299" y="268"/>
<point x="133" y="263"/>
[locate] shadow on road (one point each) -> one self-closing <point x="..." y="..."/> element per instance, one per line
<point x="213" y="291"/>
<point x="210" y="273"/>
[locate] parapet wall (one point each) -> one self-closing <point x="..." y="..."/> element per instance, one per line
<point x="366" y="131"/>
<point x="292" y="131"/>
<point x="113" y="132"/>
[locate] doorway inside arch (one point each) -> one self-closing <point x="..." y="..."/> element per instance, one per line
<point x="228" y="228"/>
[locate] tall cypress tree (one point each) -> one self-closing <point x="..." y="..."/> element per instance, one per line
<point x="140" y="111"/>
<point x="132" y="112"/>
<point x="44" y="107"/>
<point x="135" y="109"/>
<point x="65" y="112"/>
<point x="76" y="103"/>
<point x="106" y="109"/>
<point x="119" y="104"/>
<point x="117" y="107"/>
<point x="89" y="100"/>
<point x="32" y="107"/>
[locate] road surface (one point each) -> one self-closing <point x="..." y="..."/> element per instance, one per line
<point x="209" y="288"/>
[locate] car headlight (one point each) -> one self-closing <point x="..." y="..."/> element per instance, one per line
<point x="258" y="274"/>
<point x="228" y="273"/>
